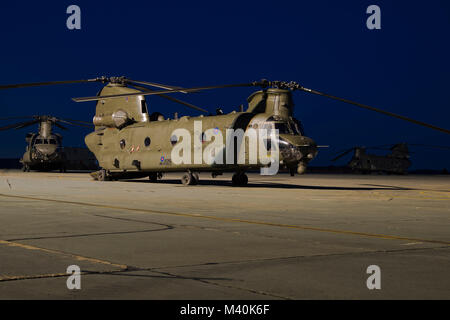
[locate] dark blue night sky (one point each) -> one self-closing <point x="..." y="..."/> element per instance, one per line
<point x="325" y="45"/>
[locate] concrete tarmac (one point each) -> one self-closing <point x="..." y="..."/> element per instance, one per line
<point x="281" y="237"/>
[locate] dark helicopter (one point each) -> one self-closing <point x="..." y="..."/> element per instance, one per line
<point x="44" y="150"/>
<point x="128" y="142"/>
<point x="397" y="161"/>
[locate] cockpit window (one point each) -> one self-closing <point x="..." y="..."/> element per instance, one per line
<point x="297" y="127"/>
<point x="283" y="128"/>
<point x="52" y="141"/>
<point x="144" y="106"/>
<point x="39" y="141"/>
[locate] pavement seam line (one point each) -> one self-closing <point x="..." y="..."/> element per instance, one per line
<point x="58" y="252"/>
<point x="255" y="222"/>
<point x="223" y="285"/>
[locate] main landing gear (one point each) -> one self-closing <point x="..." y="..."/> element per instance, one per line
<point x="239" y="179"/>
<point x="155" y="176"/>
<point x="190" y="178"/>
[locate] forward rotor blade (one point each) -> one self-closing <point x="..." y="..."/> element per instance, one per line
<point x="82" y="124"/>
<point x="173" y="99"/>
<point x="253" y="84"/>
<point x="19" y="125"/>
<point x="360" y="105"/>
<point x="72" y="121"/>
<point x="15" y="118"/>
<point x="49" y="83"/>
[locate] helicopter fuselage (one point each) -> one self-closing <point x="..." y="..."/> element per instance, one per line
<point x="397" y="162"/>
<point x="144" y="147"/>
<point x="128" y="142"/>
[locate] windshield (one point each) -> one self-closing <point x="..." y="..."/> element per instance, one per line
<point x="283" y="128"/>
<point x="297" y="127"/>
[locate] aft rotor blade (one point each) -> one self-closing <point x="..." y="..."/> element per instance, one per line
<point x="173" y="99"/>
<point x="360" y="105"/>
<point x="60" y="126"/>
<point x="157" y="85"/>
<point x="49" y="83"/>
<point x="252" y="84"/>
<point x="19" y="125"/>
<point x="343" y="154"/>
<point x="430" y="146"/>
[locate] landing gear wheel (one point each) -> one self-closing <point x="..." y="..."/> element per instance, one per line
<point x="153" y="177"/>
<point x="239" y="179"/>
<point x="26" y="168"/>
<point x="196" y="177"/>
<point x="103" y="175"/>
<point x="188" y="179"/>
<point x="234" y="179"/>
<point x="244" y="179"/>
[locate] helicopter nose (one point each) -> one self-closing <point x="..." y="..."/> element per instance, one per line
<point x="44" y="151"/>
<point x="302" y="149"/>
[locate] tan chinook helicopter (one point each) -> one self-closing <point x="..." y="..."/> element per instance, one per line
<point x="128" y="142"/>
<point x="44" y="151"/>
<point x="397" y="161"/>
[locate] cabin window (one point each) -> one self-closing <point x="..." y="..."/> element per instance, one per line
<point x="147" y="141"/>
<point x="144" y="106"/>
<point x="122" y="144"/>
<point x="173" y="140"/>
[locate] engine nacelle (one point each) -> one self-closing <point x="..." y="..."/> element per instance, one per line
<point x="116" y="120"/>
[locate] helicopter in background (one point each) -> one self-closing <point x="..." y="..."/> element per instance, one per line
<point x="44" y="151"/>
<point x="397" y="161"/>
<point x="131" y="143"/>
